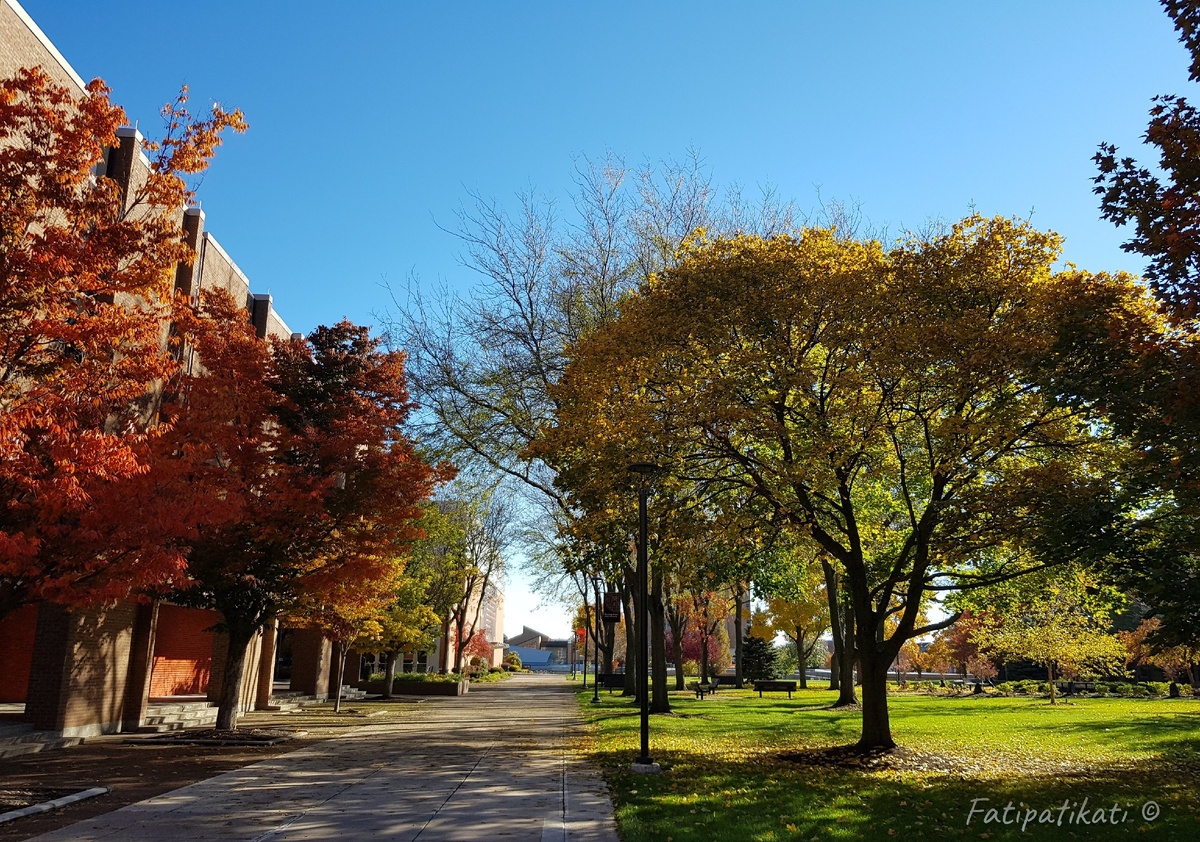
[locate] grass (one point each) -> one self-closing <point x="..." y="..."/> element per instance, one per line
<point x="726" y="774"/>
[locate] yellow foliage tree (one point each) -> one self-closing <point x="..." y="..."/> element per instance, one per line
<point x="802" y="619"/>
<point x="1059" y="621"/>
<point x="883" y="403"/>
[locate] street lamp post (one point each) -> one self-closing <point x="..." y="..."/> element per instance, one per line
<point x="644" y="763"/>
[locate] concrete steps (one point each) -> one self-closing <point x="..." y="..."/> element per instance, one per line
<point x="18" y="738"/>
<point x="176" y="716"/>
<point x="352" y="694"/>
<point x="21" y="738"/>
<point x="288" y="700"/>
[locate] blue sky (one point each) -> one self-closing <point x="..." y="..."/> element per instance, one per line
<point x="371" y="121"/>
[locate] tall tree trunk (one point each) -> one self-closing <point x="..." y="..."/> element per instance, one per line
<point x="835" y="626"/>
<point x="800" y="654"/>
<point x="660" y="702"/>
<point x="340" y="652"/>
<point x="229" y="699"/>
<point x="675" y="620"/>
<point x="389" y="673"/>
<point x="677" y="640"/>
<point x="738" y="593"/>
<point x="628" y="605"/>
<point x="875" y="658"/>
<point x="601" y="637"/>
<point x="876" y="727"/>
<point x="610" y="644"/>
<point x="849" y="656"/>
<point x="1050" y="674"/>
<point x="444" y="648"/>
<point x="460" y="629"/>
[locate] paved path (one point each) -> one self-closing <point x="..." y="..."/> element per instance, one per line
<point x="489" y="765"/>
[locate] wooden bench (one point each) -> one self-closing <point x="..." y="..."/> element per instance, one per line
<point x="701" y="690"/>
<point x="781" y="686"/>
<point x="1073" y="687"/>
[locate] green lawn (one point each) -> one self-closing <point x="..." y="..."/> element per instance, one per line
<point x="726" y="777"/>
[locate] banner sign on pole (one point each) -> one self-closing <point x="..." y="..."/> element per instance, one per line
<point x="612" y="608"/>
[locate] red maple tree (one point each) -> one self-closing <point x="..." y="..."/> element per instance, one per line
<point x="297" y="487"/>
<point x="86" y="271"/>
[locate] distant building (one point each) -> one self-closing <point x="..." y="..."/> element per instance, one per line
<point x="490" y="622"/>
<point x="558" y="650"/>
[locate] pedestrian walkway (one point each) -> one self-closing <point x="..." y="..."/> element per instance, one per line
<point x="492" y="764"/>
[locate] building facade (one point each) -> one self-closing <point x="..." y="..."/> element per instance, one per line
<point x="81" y="672"/>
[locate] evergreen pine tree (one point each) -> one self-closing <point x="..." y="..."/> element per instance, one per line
<point x="758" y="660"/>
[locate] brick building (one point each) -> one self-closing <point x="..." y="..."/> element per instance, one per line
<point x="87" y="672"/>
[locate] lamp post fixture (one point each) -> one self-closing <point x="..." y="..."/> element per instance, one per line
<point x="644" y="763"/>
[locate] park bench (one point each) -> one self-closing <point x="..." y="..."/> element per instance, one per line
<point x="1073" y="687"/>
<point x="781" y="686"/>
<point x="612" y="680"/>
<point x="702" y="689"/>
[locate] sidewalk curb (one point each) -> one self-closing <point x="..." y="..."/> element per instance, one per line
<point x="47" y="806"/>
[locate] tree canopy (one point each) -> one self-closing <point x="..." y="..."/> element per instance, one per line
<point x="886" y="405"/>
<point x="86" y="270"/>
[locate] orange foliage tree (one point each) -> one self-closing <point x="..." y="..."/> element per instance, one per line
<point x="86" y="269"/>
<point x="1144" y="648"/>
<point x="292" y="463"/>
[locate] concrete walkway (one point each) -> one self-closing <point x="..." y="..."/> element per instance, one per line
<point x="492" y="764"/>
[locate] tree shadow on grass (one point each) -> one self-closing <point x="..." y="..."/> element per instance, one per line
<point x="767" y="797"/>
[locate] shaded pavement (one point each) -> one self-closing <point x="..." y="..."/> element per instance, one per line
<point x="492" y="764"/>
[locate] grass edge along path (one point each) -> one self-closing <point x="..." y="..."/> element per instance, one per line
<point x="739" y="767"/>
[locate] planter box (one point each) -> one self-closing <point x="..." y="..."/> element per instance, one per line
<point x="419" y="688"/>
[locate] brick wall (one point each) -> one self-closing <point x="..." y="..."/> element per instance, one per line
<point x="311" y="659"/>
<point x="80" y="669"/>
<point x="16" y="652"/>
<point x="80" y="677"/>
<point x="22" y="44"/>
<point x="182" y="662"/>
<point x="249" y="689"/>
<point x="49" y="668"/>
<point x="218" y="271"/>
<point x="94" y="691"/>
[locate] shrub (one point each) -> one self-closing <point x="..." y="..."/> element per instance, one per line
<point x="1158" y="688"/>
<point x="428" y="676"/>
